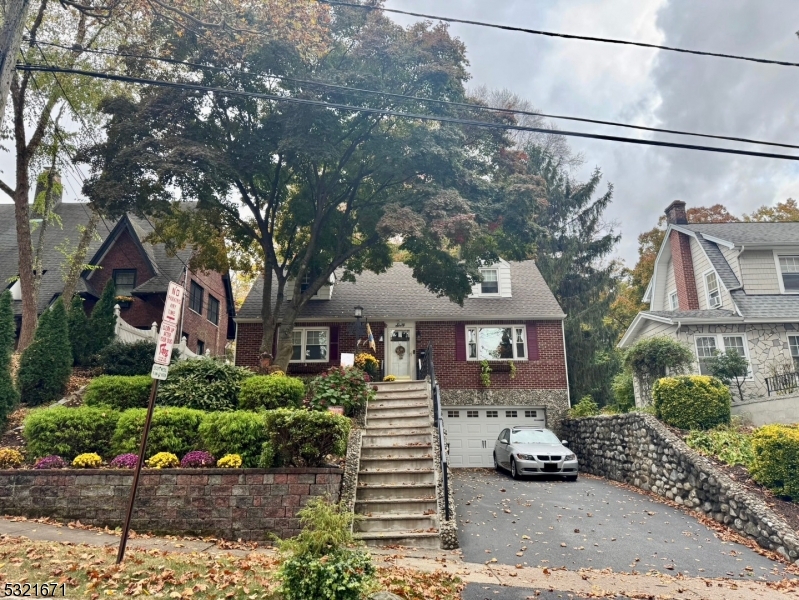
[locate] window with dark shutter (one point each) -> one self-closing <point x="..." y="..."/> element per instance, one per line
<point x="460" y="342"/>
<point x="532" y="341"/>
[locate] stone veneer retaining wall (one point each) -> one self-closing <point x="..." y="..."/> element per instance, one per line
<point x="249" y="504"/>
<point x="556" y="402"/>
<point x="638" y="449"/>
<point x="447" y="529"/>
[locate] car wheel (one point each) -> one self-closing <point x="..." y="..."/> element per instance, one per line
<point x="496" y="464"/>
<point x="513" y="472"/>
<point x="571" y="478"/>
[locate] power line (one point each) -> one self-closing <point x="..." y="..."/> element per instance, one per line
<point x="399" y="114"/>
<point x="429" y="100"/>
<point x="559" y="35"/>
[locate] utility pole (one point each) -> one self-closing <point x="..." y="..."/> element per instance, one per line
<point x="10" y="38"/>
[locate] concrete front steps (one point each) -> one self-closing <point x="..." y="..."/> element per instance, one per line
<point x="396" y="493"/>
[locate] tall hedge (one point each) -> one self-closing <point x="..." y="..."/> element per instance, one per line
<point x="68" y="432"/>
<point x="102" y="323"/>
<point x="118" y="392"/>
<point x="174" y="430"/>
<point x="8" y="393"/>
<point x="46" y="364"/>
<point x="239" y="432"/>
<point x="77" y="322"/>
<point x="692" y="401"/>
<point x="305" y="437"/>
<point x="776" y="463"/>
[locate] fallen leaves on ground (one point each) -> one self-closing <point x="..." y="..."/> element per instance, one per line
<point x="416" y="585"/>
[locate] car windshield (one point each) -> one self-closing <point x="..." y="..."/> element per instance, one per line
<point x="533" y="436"/>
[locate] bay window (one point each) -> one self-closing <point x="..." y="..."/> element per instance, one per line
<point x="498" y="342"/>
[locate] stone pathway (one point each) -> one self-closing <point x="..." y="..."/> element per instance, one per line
<point x="485" y="580"/>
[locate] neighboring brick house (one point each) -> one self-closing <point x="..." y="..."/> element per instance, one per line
<point x="512" y="317"/>
<point x="721" y="286"/>
<point x="141" y="271"/>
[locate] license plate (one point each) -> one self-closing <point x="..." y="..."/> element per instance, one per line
<point x="550" y="467"/>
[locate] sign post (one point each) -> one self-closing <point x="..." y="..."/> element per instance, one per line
<point x="163" y="354"/>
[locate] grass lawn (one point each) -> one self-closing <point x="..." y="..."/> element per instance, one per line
<point x="89" y="572"/>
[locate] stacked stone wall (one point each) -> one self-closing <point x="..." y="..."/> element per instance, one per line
<point x="639" y="450"/>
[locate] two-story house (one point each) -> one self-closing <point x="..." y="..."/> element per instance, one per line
<point x="721" y="286"/>
<point x="141" y="270"/>
<point x="512" y="321"/>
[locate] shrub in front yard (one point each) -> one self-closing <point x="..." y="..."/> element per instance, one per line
<point x="305" y="437"/>
<point x="119" y="358"/>
<point x="323" y="561"/>
<point x="163" y="460"/>
<point x="119" y="392"/>
<point x="174" y="430"/>
<point x="230" y="461"/>
<point x="197" y="459"/>
<point x="204" y="384"/>
<point x="776" y="462"/>
<point x="692" y="401"/>
<point x="124" y="461"/>
<point x="8" y="392"/>
<point x="102" y="321"/>
<point x="89" y="460"/>
<point x="50" y="462"/>
<point x="10" y="458"/>
<point x="728" y="444"/>
<point x="77" y="324"/>
<point x="68" y="432"/>
<point x="271" y="391"/>
<point x="241" y="432"/>
<point x="341" y="386"/>
<point x="46" y="364"/>
<point x="586" y="407"/>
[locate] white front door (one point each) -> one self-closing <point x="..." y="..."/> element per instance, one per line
<point x="473" y="430"/>
<point x="400" y="348"/>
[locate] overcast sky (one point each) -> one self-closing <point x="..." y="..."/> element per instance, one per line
<point x="646" y="87"/>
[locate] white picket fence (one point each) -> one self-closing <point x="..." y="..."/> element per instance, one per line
<point x="129" y="334"/>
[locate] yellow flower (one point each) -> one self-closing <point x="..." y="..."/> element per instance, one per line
<point x="229" y="461"/>
<point x="10" y="458"/>
<point x="163" y="460"/>
<point x="88" y="460"/>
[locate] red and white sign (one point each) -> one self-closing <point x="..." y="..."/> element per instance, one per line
<point x="169" y="324"/>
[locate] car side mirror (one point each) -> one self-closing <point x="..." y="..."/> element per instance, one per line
<point x="503" y="441"/>
<point x="564" y="442"/>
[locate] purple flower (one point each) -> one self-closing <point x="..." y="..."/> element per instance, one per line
<point x="50" y="462"/>
<point x="196" y="459"/>
<point x="125" y="461"/>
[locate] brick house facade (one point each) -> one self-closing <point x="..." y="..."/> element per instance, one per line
<point x="405" y="317"/>
<point x="142" y="271"/>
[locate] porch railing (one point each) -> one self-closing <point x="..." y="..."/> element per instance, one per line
<point x="783" y="383"/>
<point x="426" y="368"/>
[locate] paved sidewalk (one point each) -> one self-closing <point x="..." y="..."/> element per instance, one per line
<point x="484" y="579"/>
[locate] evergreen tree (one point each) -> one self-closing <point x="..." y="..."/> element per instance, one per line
<point x="8" y="394"/>
<point x="573" y="259"/>
<point x="78" y="331"/>
<point x="47" y="363"/>
<point x="103" y="321"/>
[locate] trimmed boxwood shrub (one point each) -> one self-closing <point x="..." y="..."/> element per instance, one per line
<point x="239" y="432"/>
<point x="204" y="384"/>
<point x="271" y="391"/>
<point x="692" y="401"/>
<point x="174" y="430"/>
<point x="776" y="463"/>
<point x="69" y="432"/>
<point x="119" y="392"/>
<point x="305" y="437"/>
<point x="119" y="358"/>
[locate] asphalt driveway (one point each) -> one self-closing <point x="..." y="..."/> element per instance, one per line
<point x="590" y="523"/>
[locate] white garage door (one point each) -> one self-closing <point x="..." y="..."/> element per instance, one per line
<point x="472" y="430"/>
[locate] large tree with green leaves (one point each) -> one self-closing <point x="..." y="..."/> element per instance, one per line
<point x="573" y="258"/>
<point x="311" y="190"/>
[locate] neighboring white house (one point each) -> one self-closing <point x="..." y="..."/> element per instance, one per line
<point x="718" y="286"/>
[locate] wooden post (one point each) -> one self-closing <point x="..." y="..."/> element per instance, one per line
<point x="126" y="529"/>
<point x="10" y="38"/>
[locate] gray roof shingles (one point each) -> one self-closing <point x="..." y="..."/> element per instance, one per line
<point x="749" y="233"/>
<point x="692" y="314"/>
<point x="778" y="308"/>
<point x="723" y="268"/>
<point x="396" y="294"/>
<point x="72" y="216"/>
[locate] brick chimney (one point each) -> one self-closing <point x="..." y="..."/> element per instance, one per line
<point x="57" y="191"/>
<point x="682" y="260"/>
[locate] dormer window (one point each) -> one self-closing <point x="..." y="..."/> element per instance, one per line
<point x="490" y="283"/>
<point x="712" y="289"/>
<point x="789" y="270"/>
<point x="124" y="281"/>
<point x="306" y="283"/>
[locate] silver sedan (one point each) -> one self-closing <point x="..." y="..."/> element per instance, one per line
<point x="534" y="451"/>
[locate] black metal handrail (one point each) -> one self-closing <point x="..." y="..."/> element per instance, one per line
<point x="785" y="382"/>
<point x="427" y="369"/>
